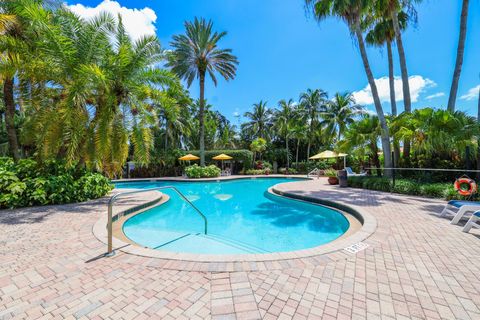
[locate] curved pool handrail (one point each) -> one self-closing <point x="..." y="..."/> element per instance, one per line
<point x="114" y="197"/>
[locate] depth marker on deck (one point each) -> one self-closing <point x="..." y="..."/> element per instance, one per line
<point x="357" y="247"/>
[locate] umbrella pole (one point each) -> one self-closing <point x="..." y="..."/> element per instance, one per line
<point x="344" y="162"/>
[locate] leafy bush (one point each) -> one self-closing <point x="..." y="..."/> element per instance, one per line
<point x="406" y="186"/>
<point x="27" y="183"/>
<point x="306" y="167"/>
<point x="331" y="173"/>
<point x="260" y="164"/>
<point x="196" y="171"/>
<point x="290" y="171"/>
<point x="256" y="172"/>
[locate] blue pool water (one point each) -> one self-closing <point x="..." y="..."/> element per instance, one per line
<point x="242" y="218"/>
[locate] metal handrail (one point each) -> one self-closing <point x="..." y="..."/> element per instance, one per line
<point x="114" y="197"/>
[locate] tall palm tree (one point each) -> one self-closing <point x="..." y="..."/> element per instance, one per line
<point x="195" y="54"/>
<point x="259" y="120"/>
<point x="382" y="33"/>
<point x="283" y="123"/>
<point x="459" y="60"/>
<point x="312" y="102"/>
<point x="390" y="9"/>
<point x="341" y="112"/>
<point x="352" y="13"/>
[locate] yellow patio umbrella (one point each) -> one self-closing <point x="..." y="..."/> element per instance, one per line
<point x="222" y="157"/>
<point x="327" y="154"/>
<point x="188" y="157"/>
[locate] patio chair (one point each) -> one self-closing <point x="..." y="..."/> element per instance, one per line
<point x="459" y="208"/>
<point x="350" y="173"/>
<point x="473" y="222"/>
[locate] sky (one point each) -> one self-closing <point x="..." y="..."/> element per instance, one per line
<point x="282" y="51"/>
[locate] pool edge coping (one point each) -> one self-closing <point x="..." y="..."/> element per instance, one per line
<point x="368" y="227"/>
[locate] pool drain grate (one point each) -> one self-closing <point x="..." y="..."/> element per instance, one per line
<point x="357" y="247"/>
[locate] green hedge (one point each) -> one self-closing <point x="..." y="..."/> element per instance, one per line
<point x="27" y="183"/>
<point x="404" y="186"/>
<point x="196" y="171"/>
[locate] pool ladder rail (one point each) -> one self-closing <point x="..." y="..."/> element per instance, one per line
<point x="112" y="200"/>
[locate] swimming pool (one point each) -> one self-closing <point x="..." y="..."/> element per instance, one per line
<point x="243" y="218"/>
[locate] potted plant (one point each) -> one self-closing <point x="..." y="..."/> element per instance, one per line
<point x="332" y="176"/>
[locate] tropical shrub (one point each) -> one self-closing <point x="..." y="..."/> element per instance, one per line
<point x="443" y="190"/>
<point x="196" y="171"/>
<point x="331" y="173"/>
<point x="256" y="172"/>
<point x="260" y="164"/>
<point x="28" y="183"/>
<point x="289" y="171"/>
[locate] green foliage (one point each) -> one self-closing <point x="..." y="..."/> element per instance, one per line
<point x="256" y="172"/>
<point x="331" y="173"/>
<point x="287" y="171"/>
<point x="28" y="183"/>
<point x="195" y="171"/>
<point x="443" y="190"/>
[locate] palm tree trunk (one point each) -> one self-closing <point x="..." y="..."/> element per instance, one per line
<point x="376" y="99"/>
<point x="478" y="139"/>
<point x="296" y="154"/>
<point x="201" y="119"/>
<point x="308" y="150"/>
<point x="403" y="68"/>
<point x="9" y="103"/>
<point x="459" y="61"/>
<point x="393" y="102"/>
<point x="286" y="148"/>
<point x="403" y="62"/>
<point x="391" y="79"/>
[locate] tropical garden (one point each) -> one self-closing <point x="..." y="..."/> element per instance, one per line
<point x="80" y="99"/>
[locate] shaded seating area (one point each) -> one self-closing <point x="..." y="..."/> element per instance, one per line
<point x="351" y="173"/>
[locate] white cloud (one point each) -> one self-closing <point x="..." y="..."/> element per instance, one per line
<point x="435" y="95"/>
<point x="472" y="94"/>
<point x="418" y="84"/>
<point x="138" y="22"/>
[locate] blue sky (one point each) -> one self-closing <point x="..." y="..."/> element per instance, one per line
<point x="282" y="52"/>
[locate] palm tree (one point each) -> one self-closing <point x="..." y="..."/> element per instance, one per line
<point x="435" y="132"/>
<point x="12" y="28"/>
<point x="194" y="55"/>
<point x="312" y="102"/>
<point x="340" y="113"/>
<point x="260" y="120"/>
<point x="390" y="9"/>
<point x="382" y="34"/>
<point x="352" y="13"/>
<point x="283" y="123"/>
<point x="101" y="94"/>
<point x="459" y="60"/>
<point x="361" y="138"/>
<point x="299" y="132"/>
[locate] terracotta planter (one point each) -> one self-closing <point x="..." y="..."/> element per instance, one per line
<point x="333" y="180"/>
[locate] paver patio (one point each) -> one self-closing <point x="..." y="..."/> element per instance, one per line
<point x="417" y="266"/>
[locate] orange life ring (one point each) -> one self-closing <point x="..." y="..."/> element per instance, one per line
<point x="461" y="183"/>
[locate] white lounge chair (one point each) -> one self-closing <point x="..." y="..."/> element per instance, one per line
<point x="315" y="172"/>
<point x="458" y="209"/>
<point x="473" y="222"/>
<point x="350" y="173"/>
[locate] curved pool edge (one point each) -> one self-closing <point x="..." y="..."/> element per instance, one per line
<point x="250" y="262"/>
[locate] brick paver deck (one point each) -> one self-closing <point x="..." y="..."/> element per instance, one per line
<point x="417" y="266"/>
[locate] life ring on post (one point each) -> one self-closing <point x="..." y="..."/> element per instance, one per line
<point x="465" y="186"/>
